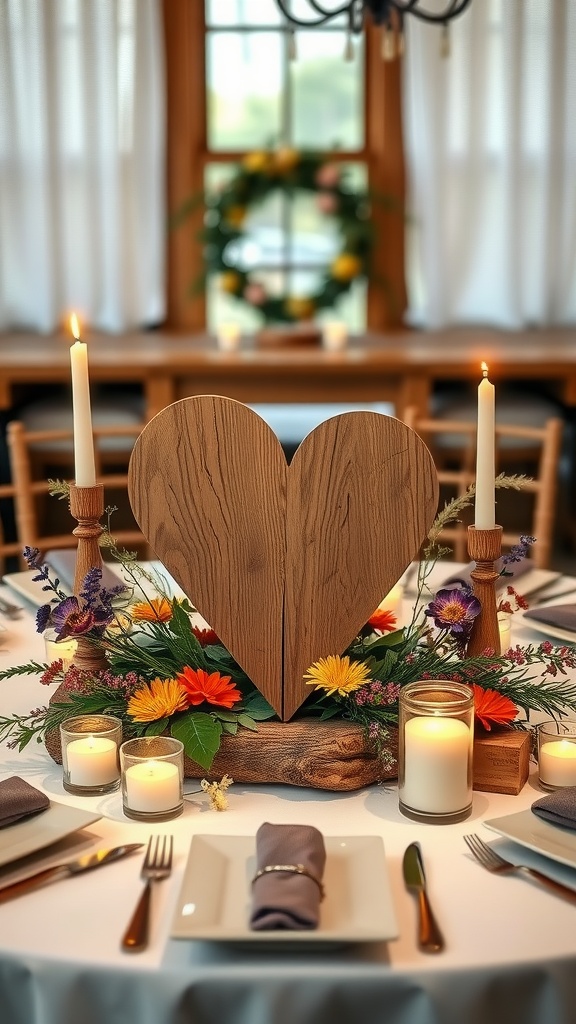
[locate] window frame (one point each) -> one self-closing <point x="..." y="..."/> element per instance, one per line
<point x="187" y="155"/>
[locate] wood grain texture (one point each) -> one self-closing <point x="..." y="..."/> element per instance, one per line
<point x="362" y="495"/>
<point x="207" y="485"/>
<point x="484" y="547"/>
<point x="501" y="760"/>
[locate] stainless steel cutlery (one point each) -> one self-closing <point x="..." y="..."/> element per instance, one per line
<point x="430" y="938"/>
<point x="492" y="861"/>
<point x="157" y="865"/>
<point x="88" y="862"/>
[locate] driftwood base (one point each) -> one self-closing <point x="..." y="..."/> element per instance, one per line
<point x="335" y="756"/>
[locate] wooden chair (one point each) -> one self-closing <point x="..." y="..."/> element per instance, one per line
<point x="28" y="492"/>
<point x="458" y="438"/>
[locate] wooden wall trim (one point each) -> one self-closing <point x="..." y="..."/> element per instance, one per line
<point x="184" y="33"/>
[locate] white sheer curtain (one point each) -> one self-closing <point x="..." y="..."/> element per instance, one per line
<point x="490" y="137"/>
<point x="82" y="207"/>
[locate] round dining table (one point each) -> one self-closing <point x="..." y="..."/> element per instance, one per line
<point x="510" y="943"/>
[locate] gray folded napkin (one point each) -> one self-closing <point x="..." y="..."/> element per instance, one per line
<point x="559" y="807"/>
<point x="563" y="616"/>
<point x="19" y="800"/>
<point x="287" y="899"/>
<point x="515" y="568"/>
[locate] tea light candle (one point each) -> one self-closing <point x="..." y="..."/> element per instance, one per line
<point x="436" y="764"/>
<point x="92" y="761"/>
<point x="152" y="786"/>
<point x="505" y="631"/>
<point x="557" y="763"/>
<point x="335" y="336"/>
<point x="393" y="599"/>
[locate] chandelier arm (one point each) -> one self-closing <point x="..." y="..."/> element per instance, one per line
<point x="454" y="8"/>
<point x="325" y="15"/>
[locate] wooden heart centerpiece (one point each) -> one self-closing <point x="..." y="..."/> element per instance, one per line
<point x="286" y="563"/>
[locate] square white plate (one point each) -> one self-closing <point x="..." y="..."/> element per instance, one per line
<point x="22" y="582"/>
<point x="58" y="821"/>
<point x="215" y="899"/>
<point x="566" y="635"/>
<point x="538" y="835"/>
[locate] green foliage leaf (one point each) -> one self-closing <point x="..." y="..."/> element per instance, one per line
<point x="247" y="722"/>
<point x="258" y="707"/>
<point x="200" y="734"/>
<point x="156" y="728"/>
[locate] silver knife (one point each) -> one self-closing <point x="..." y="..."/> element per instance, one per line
<point x="72" y="867"/>
<point x="430" y="939"/>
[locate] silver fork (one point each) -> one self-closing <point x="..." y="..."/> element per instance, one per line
<point x="492" y="861"/>
<point x="157" y="865"/>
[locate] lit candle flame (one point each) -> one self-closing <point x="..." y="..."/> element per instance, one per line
<point x="484" y="368"/>
<point x="74" y="326"/>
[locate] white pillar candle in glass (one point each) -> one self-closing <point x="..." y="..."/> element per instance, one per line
<point x="152" y="786"/>
<point x="92" y="761"/>
<point x="334" y="336"/>
<point x="557" y="754"/>
<point x="436" y="764"/>
<point x="484" y="502"/>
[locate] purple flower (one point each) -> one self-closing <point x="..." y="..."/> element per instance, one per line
<point x="69" y="619"/>
<point x="517" y="553"/>
<point x="454" y="610"/>
<point x="43" y="617"/>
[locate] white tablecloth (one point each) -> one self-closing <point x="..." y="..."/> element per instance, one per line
<point x="510" y="953"/>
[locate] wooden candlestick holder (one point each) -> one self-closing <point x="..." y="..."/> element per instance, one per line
<point x="87" y="507"/>
<point x="484" y="547"/>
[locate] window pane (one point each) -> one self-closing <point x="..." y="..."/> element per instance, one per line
<point x="328" y="98"/>
<point x="242" y="12"/>
<point x="244" y="98"/>
<point x="314" y="237"/>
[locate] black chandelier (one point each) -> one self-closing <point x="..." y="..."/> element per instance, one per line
<point x="388" y="13"/>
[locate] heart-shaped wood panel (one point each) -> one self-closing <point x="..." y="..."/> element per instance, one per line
<point x="286" y="563"/>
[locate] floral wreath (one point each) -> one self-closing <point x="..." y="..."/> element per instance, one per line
<point x="261" y="174"/>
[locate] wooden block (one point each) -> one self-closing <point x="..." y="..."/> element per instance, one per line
<point x="501" y="760"/>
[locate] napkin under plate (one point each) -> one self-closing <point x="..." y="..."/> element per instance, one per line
<point x="19" y="800"/>
<point x="287" y="900"/>
<point x="513" y="571"/>
<point x="559" y="808"/>
<point x="562" y="616"/>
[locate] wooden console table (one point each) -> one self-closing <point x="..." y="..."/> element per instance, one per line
<point x="400" y="368"/>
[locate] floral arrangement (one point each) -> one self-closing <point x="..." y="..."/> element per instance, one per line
<point x="287" y="170"/>
<point x="168" y="674"/>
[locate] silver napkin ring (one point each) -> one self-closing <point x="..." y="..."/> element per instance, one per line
<point x="296" y="869"/>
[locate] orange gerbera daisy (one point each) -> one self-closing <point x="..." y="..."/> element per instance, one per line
<point x="492" y="708"/>
<point x="159" y="609"/>
<point x="383" y="620"/>
<point x="161" y="698"/>
<point x="213" y="688"/>
<point x="205" y="636"/>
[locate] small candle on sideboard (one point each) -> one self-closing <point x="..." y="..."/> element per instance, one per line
<point x="84" y="466"/>
<point x="484" y="502"/>
<point x="152" y="786"/>
<point x="557" y="763"/>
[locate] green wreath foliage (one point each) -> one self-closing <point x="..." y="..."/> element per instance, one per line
<point x="288" y="170"/>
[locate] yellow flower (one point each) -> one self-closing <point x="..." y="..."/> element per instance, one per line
<point x="286" y="159"/>
<point x="235" y="216"/>
<point x="161" y="698"/>
<point x="256" y="161"/>
<point x="230" y="282"/>
<point x="337" y="675"/>
<point x="300" y="309"/>
<point x="346" y="266"/>
<point x="158" y="609"/>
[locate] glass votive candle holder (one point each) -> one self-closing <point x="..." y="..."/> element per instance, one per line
<point x="435" y="744"/>
<point x="59" y="649"/>
<point x="557" y="754"/>
<point x="90" y="759"/>
<point x="505" y="631"/>
<point x="152" y="778"/>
